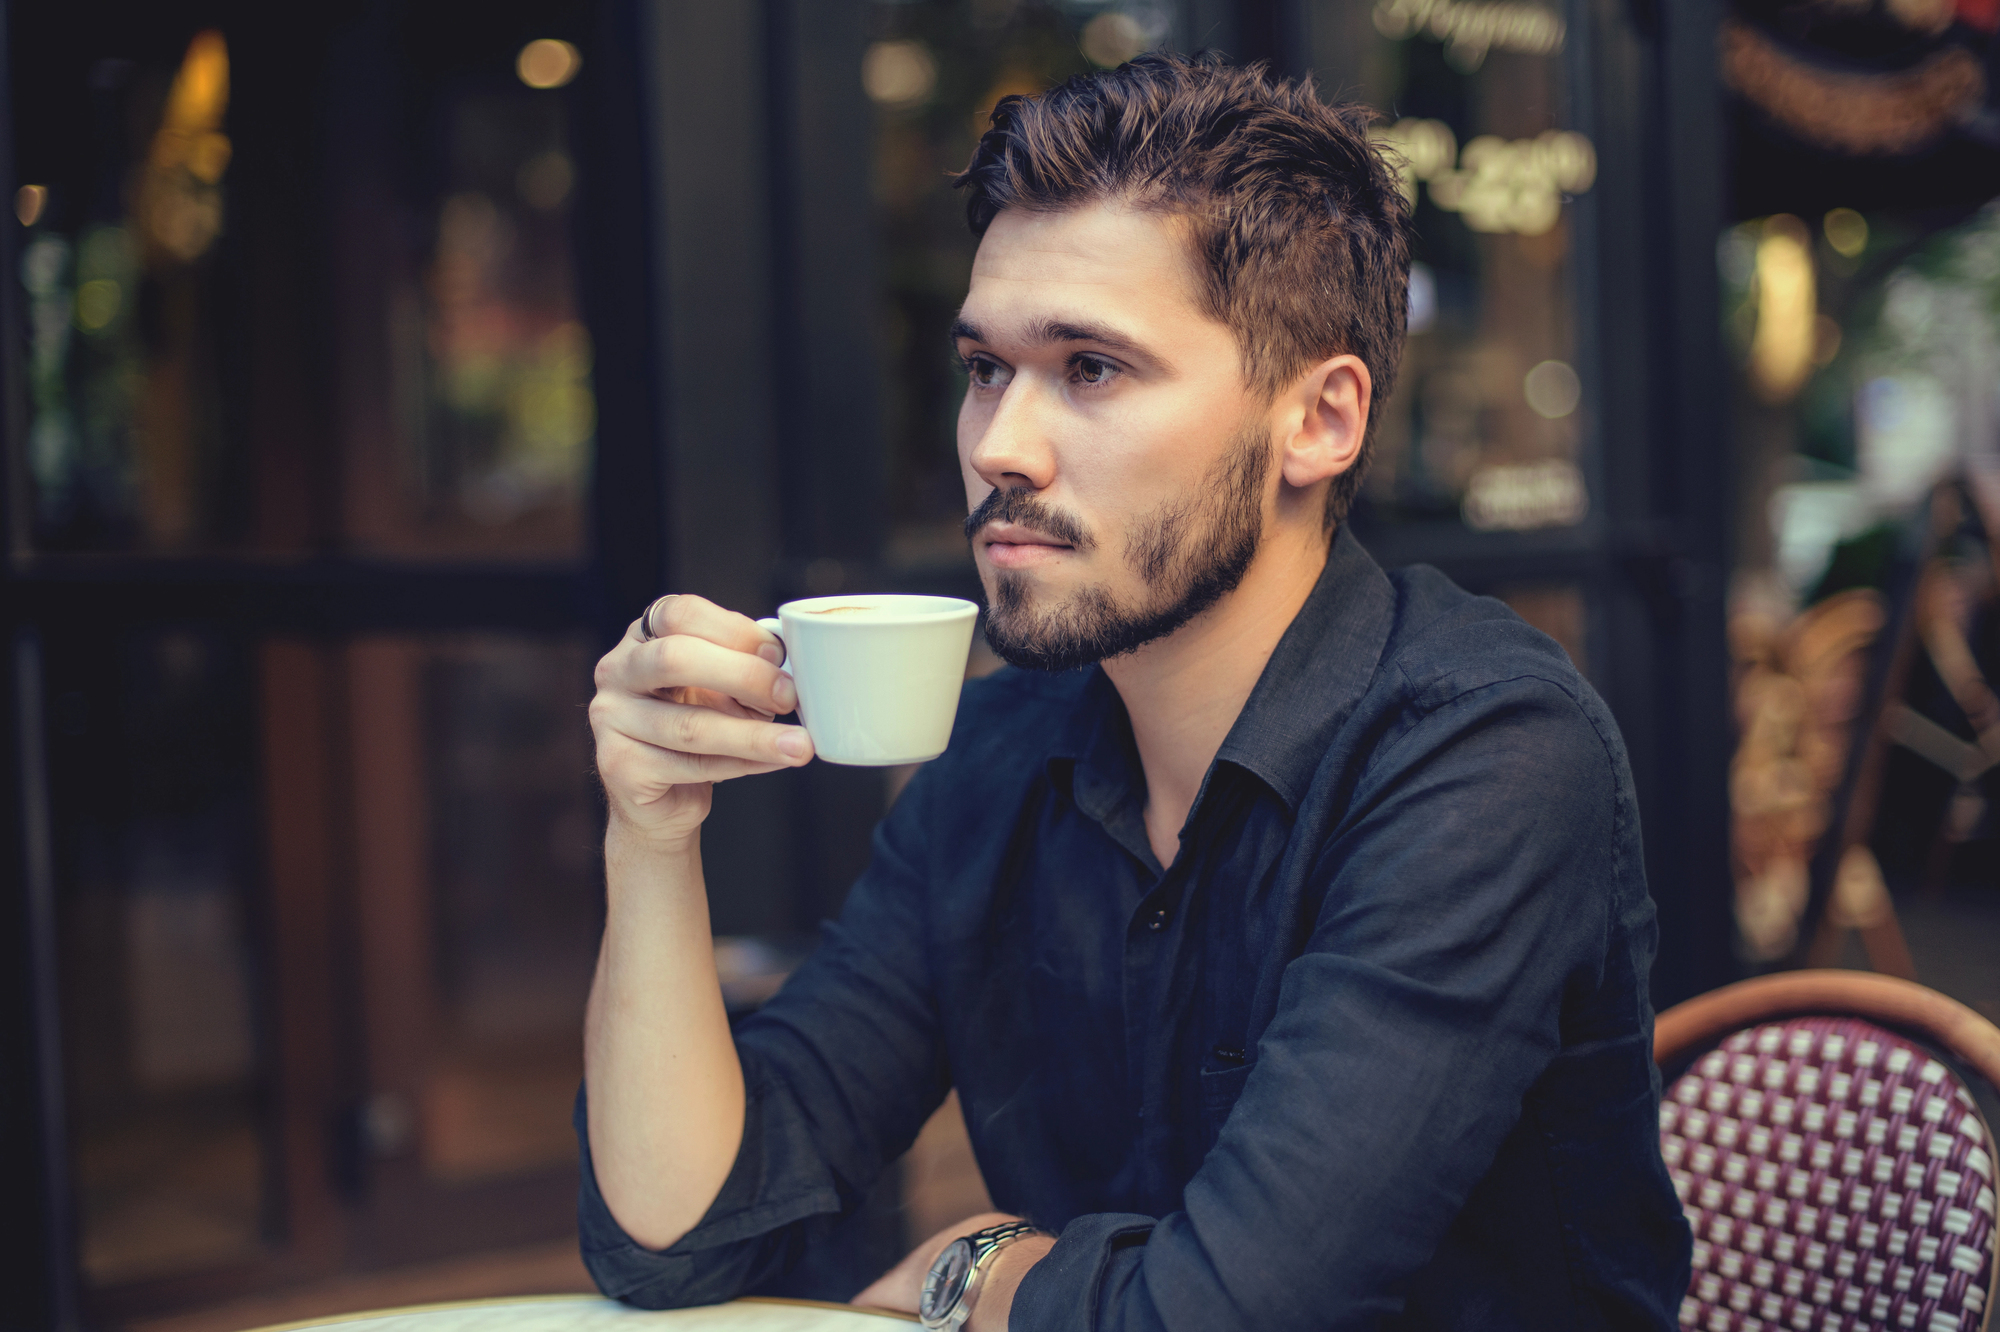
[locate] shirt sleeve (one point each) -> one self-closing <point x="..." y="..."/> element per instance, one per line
<point x="1470" y="885"/>
<point x="840" y="1070"/>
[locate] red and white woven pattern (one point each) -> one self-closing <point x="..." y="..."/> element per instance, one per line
<point x="1837" y="1177"/>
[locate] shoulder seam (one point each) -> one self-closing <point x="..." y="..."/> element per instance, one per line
<point x="1610" y="758"/>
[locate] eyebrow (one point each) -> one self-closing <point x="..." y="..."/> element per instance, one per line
<point x="1044" y="332"/>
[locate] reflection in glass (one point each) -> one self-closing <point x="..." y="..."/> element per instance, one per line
<point x="477" y="833"/>
<point x="126" y="441"/>
<point x="485" y="444"/>
<point x="1485" y="425"/>
<point x="1487" y="417"/>
<point x="151" y="767"/>
<point x="515" y="848"/>
<point x="171" y="292"/>
<point x="935" y="72"/>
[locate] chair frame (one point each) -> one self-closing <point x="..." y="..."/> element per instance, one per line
<point x="1689" y="1026"/>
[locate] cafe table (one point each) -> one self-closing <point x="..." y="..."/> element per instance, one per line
<point x="587" y="1313"/>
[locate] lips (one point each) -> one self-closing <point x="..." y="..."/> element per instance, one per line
<point x="1011" y="546"/>
<point x="1013" y="534"/>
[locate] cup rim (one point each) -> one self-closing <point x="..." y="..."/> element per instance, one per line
<point x="947" y="609"/>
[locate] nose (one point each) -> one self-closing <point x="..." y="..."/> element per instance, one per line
<point x="1014" y="450"/>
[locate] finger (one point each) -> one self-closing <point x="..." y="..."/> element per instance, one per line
<point x="687" y="729"/>
<point x="698" y="617"/>
<point x="638" y="770"/>
<point x="684" y="661"/>
<point x="723" y="703"/>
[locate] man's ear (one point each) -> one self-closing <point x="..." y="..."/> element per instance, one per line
<point x="1329" y="419"/>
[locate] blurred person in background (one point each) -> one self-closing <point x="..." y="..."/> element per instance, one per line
<point x="1281" y="922"/>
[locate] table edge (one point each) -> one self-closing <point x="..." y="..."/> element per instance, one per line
<point x="396" y="1311"/>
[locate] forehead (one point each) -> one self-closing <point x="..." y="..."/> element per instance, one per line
<point x="1103" y="261"/>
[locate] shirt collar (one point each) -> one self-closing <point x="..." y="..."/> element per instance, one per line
<point x="1318" y="672"/>
<point x="1321" y="667"/>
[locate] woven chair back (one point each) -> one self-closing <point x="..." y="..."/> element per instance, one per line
<point x="1837" y="1177"/>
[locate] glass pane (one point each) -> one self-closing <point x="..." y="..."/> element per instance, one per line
<point x="934" y="72"/>
<point x="516" y="852"/>
<point x="480" y="894"/>
<point x="470" y="426"/>
<point x="1485" y="425"/>
<point x="222" y="290"/>
<point x="151" y="760"/>
<point x="124" y="262"/>
<point x="1488" y="415"/>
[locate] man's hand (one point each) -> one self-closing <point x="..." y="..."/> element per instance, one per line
<point x="691" y="707"/>
<point x="903" y="1285"/>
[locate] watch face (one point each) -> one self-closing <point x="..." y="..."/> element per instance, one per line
<point x="945" y="1285"/>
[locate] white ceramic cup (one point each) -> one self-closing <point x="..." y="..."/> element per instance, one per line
<point x="878" y="673"/>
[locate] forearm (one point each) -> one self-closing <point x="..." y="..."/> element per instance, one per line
<point x="665" y="1088"/>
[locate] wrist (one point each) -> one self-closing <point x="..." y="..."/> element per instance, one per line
<point x="991" y="1311"/>
<point x="627" y="842"/>
<point x="963" y="1289"/>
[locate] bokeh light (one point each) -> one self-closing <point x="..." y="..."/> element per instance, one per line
<point x="544" y="180"/>
<point x="1552" y="389"/>
<point x="1423" y="308"/>
<point x="899" y="74"/>
<point x="1846" y="232"/>
<point x="97" y="303"/>
<point x="1781" y="348"/>
<point x="1112" y="39"/>
<point x="29" y="201"/>
<point x="547" y="62"/>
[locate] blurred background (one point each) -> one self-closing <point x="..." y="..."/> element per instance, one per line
<point x="368" y="365"/>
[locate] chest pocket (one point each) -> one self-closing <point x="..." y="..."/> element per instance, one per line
<point x="1219" y="1090"/>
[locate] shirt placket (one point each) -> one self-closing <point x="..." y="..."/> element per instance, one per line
<point x="1153" y="948"/>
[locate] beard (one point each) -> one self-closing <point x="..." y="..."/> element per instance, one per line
<point x="1189" y="553"/>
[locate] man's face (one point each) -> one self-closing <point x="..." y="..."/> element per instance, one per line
<point x="1114" y="458"/>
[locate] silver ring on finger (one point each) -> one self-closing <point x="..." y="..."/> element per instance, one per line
<point x="646" y="634"/>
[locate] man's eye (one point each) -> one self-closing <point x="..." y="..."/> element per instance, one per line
<point x="1093" y="371"/>
<point x="982" y="372"/>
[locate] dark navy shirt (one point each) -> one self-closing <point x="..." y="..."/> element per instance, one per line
<point x="1374" y="1051"/>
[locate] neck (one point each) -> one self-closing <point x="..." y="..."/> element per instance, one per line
<point x="1185" y="691"/>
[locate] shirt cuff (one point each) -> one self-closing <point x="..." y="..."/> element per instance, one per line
<point x="755" y="1201"/>
<point x="1062" y="1290"/>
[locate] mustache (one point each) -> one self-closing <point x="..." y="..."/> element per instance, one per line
<point x="1024" y="510"/>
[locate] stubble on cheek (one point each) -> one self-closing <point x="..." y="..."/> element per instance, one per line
<point x="1153" y="543"/>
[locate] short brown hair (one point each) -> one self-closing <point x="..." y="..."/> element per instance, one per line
<point x="1297" y="220"/>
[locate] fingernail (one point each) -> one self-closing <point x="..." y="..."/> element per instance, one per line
<point x="785" y="694"/>
<point x="772" y="653"/>
<point x="792" y="743"/>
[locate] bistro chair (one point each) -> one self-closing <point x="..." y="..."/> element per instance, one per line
<point x="1831" y="1159"/>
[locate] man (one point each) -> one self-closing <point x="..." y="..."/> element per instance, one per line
<point x="1280" y="922"/>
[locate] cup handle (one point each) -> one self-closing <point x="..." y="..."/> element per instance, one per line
<point x="771" y="626"/>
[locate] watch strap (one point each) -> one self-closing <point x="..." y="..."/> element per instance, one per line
<point x="985" y="1244"/>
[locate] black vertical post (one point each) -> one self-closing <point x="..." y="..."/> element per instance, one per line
<point x="1206" y="25"/>
<point x="1273" y="31"/>
<point x="1665" y="476"/>
<point x="37" y="1260"/>
<point x="829" y="449"/>
<point x="723" y="379"/>
<point x="1690" y="396"/>
<point x="617" y="275"/>
<point x="37" y="1270"/>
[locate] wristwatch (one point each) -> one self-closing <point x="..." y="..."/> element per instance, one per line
<point x="957" y="1274"/>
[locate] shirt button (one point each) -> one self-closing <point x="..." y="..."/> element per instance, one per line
<point x="1158" y="920"/>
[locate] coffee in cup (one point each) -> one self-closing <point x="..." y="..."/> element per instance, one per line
<point x="878" y="674"/>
